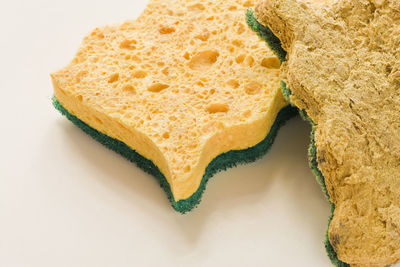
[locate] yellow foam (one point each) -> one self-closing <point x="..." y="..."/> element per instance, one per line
<point x="182" y="84"/>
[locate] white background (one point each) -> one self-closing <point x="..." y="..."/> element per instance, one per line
<point x="67" y="201"/>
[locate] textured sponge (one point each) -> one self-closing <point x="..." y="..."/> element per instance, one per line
<point x="343" y="71"/>
<point x="273" y="42"/>
<point x="184" y="83"/>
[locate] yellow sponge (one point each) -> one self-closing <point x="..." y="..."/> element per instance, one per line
<point x="182" y="84"/>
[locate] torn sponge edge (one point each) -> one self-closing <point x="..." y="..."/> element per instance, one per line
<point x="222" y="162"/>
<point x="312" y="154"/>
<point x="267" y="35"/>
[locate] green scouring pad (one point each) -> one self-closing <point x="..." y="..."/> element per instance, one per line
<point x="222" y="162"/>
<point x="274" y="43"/>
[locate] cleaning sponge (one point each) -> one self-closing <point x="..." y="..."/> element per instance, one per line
<point x="343" y="73"/>
<point x="184" y="83"/>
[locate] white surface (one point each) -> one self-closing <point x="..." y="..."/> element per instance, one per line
<point x="67" y="201"/>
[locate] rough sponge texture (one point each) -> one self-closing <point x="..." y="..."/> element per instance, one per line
<point x="182" y="84"/>
<point x="267" y="35"/>
<point x="343" y="70"/>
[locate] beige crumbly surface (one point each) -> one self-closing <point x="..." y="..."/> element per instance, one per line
<point x="182" y="84"/>
<point x="343" y="69"/>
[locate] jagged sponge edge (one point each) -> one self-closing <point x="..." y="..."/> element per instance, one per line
<point x="222" y="162"/>
<point x="275" y="45"/>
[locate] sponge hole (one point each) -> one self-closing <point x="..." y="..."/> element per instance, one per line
<point x="186" y="55"/>
<point x="165" y="135"/>
<point x="217" y="108"/>
<point x="249" y="61"/>
<point x="253" y="88"/>
<point x="128" y="44"/>
<point x="139" y="74"/>
<point x="237" y="43"/>
<point x="239" y="59"/>
<point x="248" y="3"/>
<point x="166" y="30"/>
<point x="270" y="63"/>
<point x="113" y="78"/>
<point x="197" y="7"/>
<point x="233" y="83"/>
<point x="241" y="28"/>
<point x="203" y="60"/>
<point x="203" y="36"/>
<point x="157" y="87"/>
<point x="129" y="88"/>
<point x="165" y="71"/>
<point x="199" y="83"/>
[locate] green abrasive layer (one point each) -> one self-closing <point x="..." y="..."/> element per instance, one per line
<point x="222" y="162"/>
<point x="285" y="91"/>
<point x="267" y="35"/>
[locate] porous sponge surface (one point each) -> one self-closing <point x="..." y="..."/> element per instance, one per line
<point x="181" y="84"/>
<point x="273" y="42"/>
<point x="343" y="68"/>
<point x="222" y="162"/>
